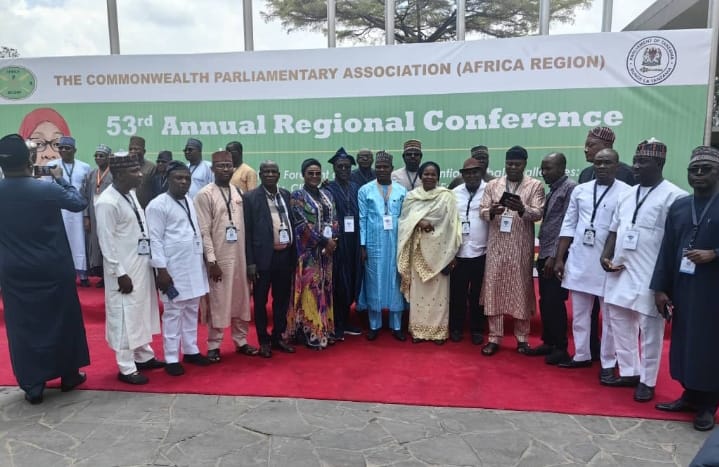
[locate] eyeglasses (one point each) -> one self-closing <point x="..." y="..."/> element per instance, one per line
<point x="313" y="173"/>
<point x="699" y="169"/>
<point x="222" y="166"/>
<point x="42" y="144"/>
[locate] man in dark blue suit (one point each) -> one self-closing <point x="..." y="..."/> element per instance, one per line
<point x="271" y="256"/>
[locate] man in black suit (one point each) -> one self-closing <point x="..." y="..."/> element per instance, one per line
<point x="271" y="256"/>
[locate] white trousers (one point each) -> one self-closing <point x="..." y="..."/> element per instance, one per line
<point x="582" y="304"/>
<point x="238" y="327"/>
<point x="631" y="328"/>
<point x="126" y="358"/>
<point x="179" y="328"/>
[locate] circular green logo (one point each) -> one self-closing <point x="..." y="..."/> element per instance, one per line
<point x="16" y="82"/>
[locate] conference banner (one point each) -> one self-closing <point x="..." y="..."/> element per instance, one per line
<point x="542" y="92"/>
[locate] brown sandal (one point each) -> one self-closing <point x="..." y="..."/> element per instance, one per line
<point x="248" y="350"/>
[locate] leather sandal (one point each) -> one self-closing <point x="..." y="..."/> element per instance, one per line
<point x="248" y="350"/>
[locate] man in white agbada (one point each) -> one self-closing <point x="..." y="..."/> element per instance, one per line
<point x="629" y="256"/>
<point x="131" y="312"/>
<point x="200" y="170"/>
<point x="176" y="245"/>
<point x="585" y="228"/>
<point x="75" y="172"/>
<point x="220" y="213"/>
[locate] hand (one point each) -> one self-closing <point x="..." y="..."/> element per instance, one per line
<point x="86" y="223"/>
<point x="125" y="284"/>
<point x="425" y="226"/>
<point x="608" y="266"/>
<point x="164" y="280"/>
<point x="701" y="256"/>
<point x="661" y="300"/>
<point x="56" y="172"/>
<point x="363" y="254"/>
<point x="330" y="246"/>
<point x="548" y="269"/>
<point x="252" y="273"/>
<point x="515" y="205"/>
<point x="496" y="209"/>
<point x="215" y="272"/>
<point x="558" y="268"/>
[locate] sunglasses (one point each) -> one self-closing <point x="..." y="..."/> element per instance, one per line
<point x="699" y="169"/>
<point x="313" y="173"/>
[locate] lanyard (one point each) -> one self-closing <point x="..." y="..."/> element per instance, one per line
<point x="698" y="222"/>
<point x="640" y="203"/>
<point x="416" y="174"/>
<point x="193" y="168"/>
<point x="186" y="207"/>
<point x="471" y="196"/>
<point x="100" y="179"/>
<point x="386" y="191"/>
<point x="68" y="171"/>
<point x="137" y="213"/>
<point x="320" y="205"/>
<point x="228" y="201"/>
<point x="281" y="208"/>
<point x="596" y="202"/>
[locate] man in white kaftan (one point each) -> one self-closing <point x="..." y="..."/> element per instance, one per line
<point x="200" y="170"/>
<point x="132" y="315"/>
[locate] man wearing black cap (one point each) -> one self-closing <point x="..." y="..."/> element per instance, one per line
<point x="244" y="177"/>
<point x="45" y="330"/>
<point x="685" y="278"/>
<point x="407" y="176"/>
<point x="144" y="191"/>
<point x="200" y="170"/>
<point x="511" y="204"/>
<point x="346" y="263"/>
<point x="159" y="176"/>
<point x="95" y="183"/>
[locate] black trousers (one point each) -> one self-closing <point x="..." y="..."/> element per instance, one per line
<point x="702" y="400"/>
<point x="279" y="278"/>
<point x="594" y="338"/>
<point x="465" y="288"/>
<point x="552" y="309"/>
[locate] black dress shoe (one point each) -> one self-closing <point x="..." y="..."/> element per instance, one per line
<point x="557" y="357"/>
<point x="100" y="284"/>
<point x="704" y="421"/>
<point x="133" y="378"/>
<point x="151" y="364"/>
<point x="282" y="346"/>
<point x="84" y="283"/>
<point x="455" y="336"/>
<point x="246" y="349"/>
<point x="621" y="381"/>
<point x="679" y="405"/>
<point x="605" y="373"/>
<point x="34" y="400"/>
<point x="353" y="331"/>
<point x="576" y="364"/>
<point x="490" y="349"/>
<point x="265" y="351"/>
<point x="399" y="335"/>
<point x="174" y="369"/>
<point x="196" y="359"/>
<point x="643" y="393"/>
<point x="541" y="350"/>
<point x="68" y="384"/>
<point x="523" y="348"/>
<point x="213" y="355"/>
<point x="477" y="339"/>
<point x="372" y="334"/>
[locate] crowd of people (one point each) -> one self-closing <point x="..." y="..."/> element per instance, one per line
<point x="623" y="242"/>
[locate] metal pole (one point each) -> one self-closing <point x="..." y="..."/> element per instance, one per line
<point x="607" y="15"/>
<point x="331" y="33"/>
<point x="460" y="19"/>
<point x="247" y="23"/>
<point x="714" y="23"/>
<point x="544" y="17"/>
<point x="112" y="27"/>
<point x="389" y="21"/>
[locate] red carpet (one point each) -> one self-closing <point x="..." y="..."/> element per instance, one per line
<point x="388" y="371"/>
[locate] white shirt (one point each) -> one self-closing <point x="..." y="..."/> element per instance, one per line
<point x="474" y="244"/>
<point x="583" y="271"/>
<point x="629" y="288"/>
<point x="201" y="175"/>
<point x="176" y="245"/>
<point x="409" y="180"/>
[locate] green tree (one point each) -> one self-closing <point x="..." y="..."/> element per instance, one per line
<point x="8" y="52"/>
<point x="419" y="20"/>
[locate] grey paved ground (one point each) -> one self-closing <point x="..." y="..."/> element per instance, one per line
<point x="95" y="428"/>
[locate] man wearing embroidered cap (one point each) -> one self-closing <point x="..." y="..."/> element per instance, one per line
<point x="629" y="256"/>
<point x="200" y="170"/>
<point x="511" y="204"/>
<point x="364" y="173"/>
<point x="131" y="311"/>
<point x="45" y="331"/>
<point x="75" y="172"/>
<point x="407" y="176"/>
<point x="96" y="182"/>
<point x="480" y="154"/>
<point x="347" y="265"/>
<point x="685" y="278"/>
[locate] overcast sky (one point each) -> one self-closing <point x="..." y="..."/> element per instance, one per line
<point x="39" y="28"/>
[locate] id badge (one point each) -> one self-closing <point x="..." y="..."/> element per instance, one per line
<point x="505" y="223"/>
<point x="349" y="224"/>
<point x="284" y="236"/>
<point x="143" y="246"/>
<point x="687" y="266"/>
<point x="231" y="234"/>
<point x="387" y="222"/>
<point x="588" y="238"/>
<point x="631" y="239"/>
<point x="465" y="228"/>
<point x="196" y="246"/>
<point x="327" y="231"/>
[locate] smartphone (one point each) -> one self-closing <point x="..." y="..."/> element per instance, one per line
<point x="668" y="312"/>
<point x="172" y="292"/>
<point x="507" y="195"/>
<point x="41" y="170"/>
